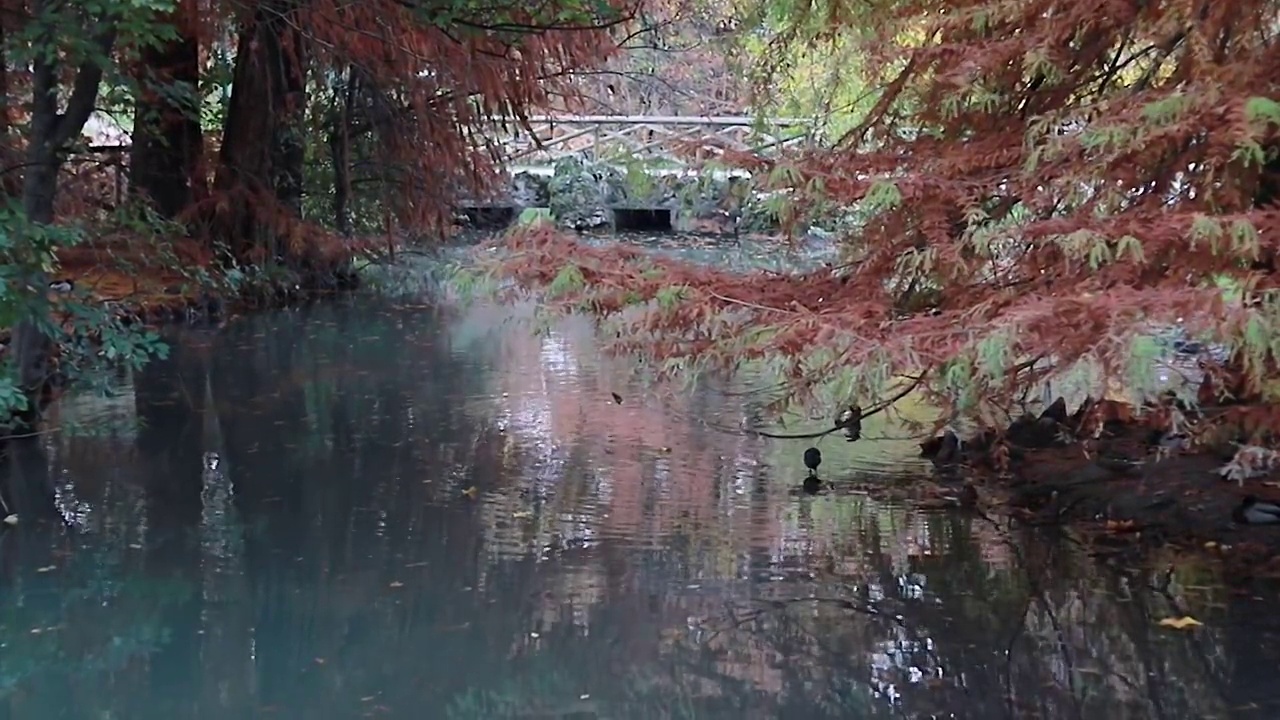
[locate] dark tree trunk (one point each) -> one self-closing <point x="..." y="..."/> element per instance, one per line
<point x="10" y="183"/>
<point x="262" y="148"/>
<point x="340" y="154"/>
<point x="167" y="141"/>
<point x="289" y="147"/>
<point x="50" y="131"/>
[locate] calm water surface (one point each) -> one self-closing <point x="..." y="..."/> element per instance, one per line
<point x="380" y="510"/>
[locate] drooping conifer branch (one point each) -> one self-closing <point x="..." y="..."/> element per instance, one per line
<point x="1042" y="178"/>
<point x="427" y="79"/>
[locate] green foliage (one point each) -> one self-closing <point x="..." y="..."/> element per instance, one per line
<point x="93" y="337"/>
<point x="882" y="195"/>
<point x="1262" y="110"/>
<point x="1168" y="110"/>
<point x="535" y="216"/>
<point x="467" y="283"/>
<point x="800" y="67"/>
<point x="580" y="190"/>
<point x="568" y="280"/>
<point x="1105" y="139"/>
<point x="69" y="33"/>
<point x="1144" y="355"/>
<point x="1239" y="239"/>
<point x="635" y="177"/>
<point x="670" y="297"/>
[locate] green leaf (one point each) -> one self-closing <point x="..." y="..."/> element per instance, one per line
<point x="569" y="280"/>
<point x="669" y="297"/>
<point x="1166" y="111"/>
<point x="1205" y="228"/>
<point x="1131" y="246"/>
<point x="1258" y="109"/>
<point x="882" y="195"/>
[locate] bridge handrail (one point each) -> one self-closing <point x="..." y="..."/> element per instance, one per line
<point x="709" y="120"/>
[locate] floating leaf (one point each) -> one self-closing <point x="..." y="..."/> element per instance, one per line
<point x="1181" y="623"/>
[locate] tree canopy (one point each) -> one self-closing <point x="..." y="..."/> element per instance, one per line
<point x="1041" y="184"/>
<point x="1036" y="185"/>
<point x="280" y="133"/>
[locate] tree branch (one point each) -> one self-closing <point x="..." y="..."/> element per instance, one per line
<point x="84" y="93"/>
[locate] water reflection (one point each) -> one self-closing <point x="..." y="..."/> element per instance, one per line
<point x="367" y="510"/>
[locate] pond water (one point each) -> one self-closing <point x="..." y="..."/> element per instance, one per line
<point x="393" y="509"/>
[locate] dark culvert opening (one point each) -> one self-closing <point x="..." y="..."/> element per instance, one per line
<point x="651" y="220"/>
<point x="488" y="217"/>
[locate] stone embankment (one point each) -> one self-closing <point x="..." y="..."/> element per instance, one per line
<point x="598" y="196"/>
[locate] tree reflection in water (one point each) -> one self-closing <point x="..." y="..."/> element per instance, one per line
<point x="287" y="534"/>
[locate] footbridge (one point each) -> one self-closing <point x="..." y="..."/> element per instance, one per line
<point x="645" y="172"/>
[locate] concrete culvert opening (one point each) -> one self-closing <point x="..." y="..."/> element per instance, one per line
<point x="652" y="220"/>
<point x="488" y="217"/>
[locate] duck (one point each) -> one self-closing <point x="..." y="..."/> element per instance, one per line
<point x="1252" y="511"/>
<point x="851" y="421"/>
<point x="812" y="459"/>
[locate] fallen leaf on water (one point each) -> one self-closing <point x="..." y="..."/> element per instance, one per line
<point x="470" y="492"/>
<point x="521" y="514"/>
<point x="1181" y="623"/>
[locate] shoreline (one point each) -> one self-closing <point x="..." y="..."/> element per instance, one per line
<point x="157" y="295"/>
<point x="1127" y="490"/>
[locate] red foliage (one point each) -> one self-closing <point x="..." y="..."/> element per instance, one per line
<point x="420" y="89"/>
<point x="451" y="80"/>
<point x="681" y="62"/>
<point x="430" y="83"/>
<point x="1122" y="133"/>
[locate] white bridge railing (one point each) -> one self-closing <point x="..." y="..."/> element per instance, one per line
<point x="678" y="140"/>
